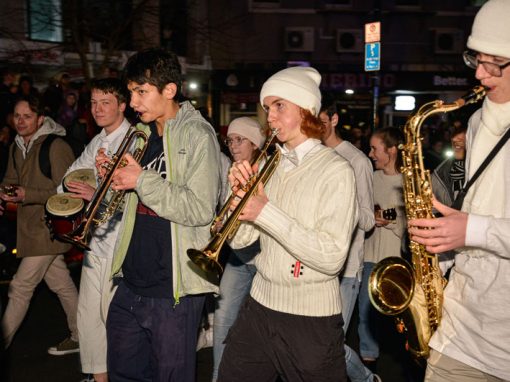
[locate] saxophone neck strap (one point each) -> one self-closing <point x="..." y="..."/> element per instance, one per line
<point x="457" y="204"/>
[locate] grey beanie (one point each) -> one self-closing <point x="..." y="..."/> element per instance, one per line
<point x="248" y="128"/>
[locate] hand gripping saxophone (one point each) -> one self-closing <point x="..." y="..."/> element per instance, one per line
<point x="415" y="293"/>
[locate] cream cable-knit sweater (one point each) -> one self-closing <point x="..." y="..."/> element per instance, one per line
<point x="305" y="231"/>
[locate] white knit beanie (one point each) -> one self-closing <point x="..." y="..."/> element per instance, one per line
<point x="299" y="85"/>
<point x="491" y="29"/>
<point x="248" y="128"/>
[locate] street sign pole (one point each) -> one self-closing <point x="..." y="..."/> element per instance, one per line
<point x="373" y="64"/>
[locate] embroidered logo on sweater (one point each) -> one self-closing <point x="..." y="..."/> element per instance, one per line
<point x="297" y="269"/>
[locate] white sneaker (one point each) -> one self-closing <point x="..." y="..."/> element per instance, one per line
<point x="377" y="378"/>
<point x="68" y="346"/>
<point x="205" y="338"/>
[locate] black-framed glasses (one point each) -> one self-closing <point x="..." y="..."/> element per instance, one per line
<point x="236" y="140"/>
<point x="471" y="60"/>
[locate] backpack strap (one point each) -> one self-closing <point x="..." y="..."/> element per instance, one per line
<point x="457" y="203"/>
<point x="44" y="155"/>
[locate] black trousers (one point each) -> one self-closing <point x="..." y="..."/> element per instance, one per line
<point x="264" y="344"/>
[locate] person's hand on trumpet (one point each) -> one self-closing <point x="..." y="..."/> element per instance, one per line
<point x="126" y="176"/>
<point x="239" y="178"/>
<point x="102" y="163"/>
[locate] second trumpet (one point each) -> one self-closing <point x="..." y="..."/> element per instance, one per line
<point x="207" y="258"/>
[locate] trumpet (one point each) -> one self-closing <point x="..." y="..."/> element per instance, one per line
<point x="223" y="212"/>
<point x="207" y="258"/>
<point x="93" y="214"/>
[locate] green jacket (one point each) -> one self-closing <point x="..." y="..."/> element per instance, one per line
<point x="188" y="197"/>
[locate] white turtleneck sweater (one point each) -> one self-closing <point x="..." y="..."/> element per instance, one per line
<point x="305" y="231"/>
<point x="475" y="328"/>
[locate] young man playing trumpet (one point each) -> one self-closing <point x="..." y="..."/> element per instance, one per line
<point x="155" y="314"/>
<point x="108" y="103"/>
<point x="291" y="323"/>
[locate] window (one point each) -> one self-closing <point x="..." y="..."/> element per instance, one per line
<point x="45" y="20"/>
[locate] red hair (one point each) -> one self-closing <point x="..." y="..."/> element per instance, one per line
<point x="311" y="126"/>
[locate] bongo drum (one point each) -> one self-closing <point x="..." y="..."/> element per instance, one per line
<point x="84" y="175"/>
<point x="63" y="213"/>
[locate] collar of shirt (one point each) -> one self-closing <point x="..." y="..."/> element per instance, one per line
<point x="106" y="140"/>
<point x="293" y="158"/>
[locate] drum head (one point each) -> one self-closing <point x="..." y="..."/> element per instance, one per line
<point x="84" y="175"/>
<point x="63" y="205"/>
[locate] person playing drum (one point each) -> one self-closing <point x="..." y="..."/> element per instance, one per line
<point x="41" y="256"/>
<point x="108" y="103"/>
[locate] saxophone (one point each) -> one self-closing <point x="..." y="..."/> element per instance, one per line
<point x="414" y="293"/>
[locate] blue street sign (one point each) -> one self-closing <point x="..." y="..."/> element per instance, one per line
<point x="372" y="56"/>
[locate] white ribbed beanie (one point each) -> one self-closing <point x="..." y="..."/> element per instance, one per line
<point x="491" y="29"/>
<point x="299" y="85"/>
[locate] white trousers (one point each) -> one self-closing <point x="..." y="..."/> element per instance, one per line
<point x="441" y="368"/>
<point x="96" y="293"/>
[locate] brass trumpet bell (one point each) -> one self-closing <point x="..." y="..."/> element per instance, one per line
<point x="79" y="237"/>
<point x="206" y="260"/>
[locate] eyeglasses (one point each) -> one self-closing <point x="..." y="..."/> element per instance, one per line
<point x="236" y="140"/>
<point x="471" y="60"/>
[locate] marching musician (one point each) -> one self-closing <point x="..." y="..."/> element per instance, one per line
<point x="155" y="314"/>
<point x="472" y="342"/>
<point x="108" y="102"/>
<point x="41" y="256"/>
<point x="291" y="323"/>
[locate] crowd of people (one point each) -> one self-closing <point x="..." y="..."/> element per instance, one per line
<point x="308" y="237"/>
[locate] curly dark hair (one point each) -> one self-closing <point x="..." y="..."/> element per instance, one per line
<point x="154" y="66"/>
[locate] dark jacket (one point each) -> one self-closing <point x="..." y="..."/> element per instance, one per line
<point x="442" y="185"/>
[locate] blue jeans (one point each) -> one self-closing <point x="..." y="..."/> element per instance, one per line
<point x="368" y="345"/>
<point x="152" y="339"/>
<point x="234" y="287"/>
<point x="357" y="372"/>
